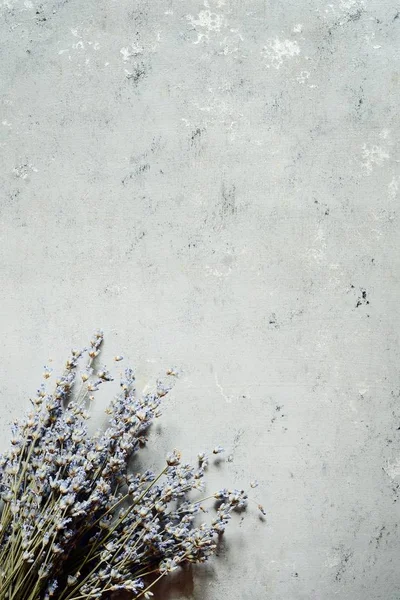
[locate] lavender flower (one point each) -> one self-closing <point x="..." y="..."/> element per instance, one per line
<point x="74" y="522"/>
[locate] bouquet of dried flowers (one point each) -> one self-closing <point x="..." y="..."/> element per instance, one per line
<point x="75" y="522"/>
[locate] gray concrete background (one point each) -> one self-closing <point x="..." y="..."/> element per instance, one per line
<point x="216" y="184"/>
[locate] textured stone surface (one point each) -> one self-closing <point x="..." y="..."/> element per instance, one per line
<point x="216" y="184"/>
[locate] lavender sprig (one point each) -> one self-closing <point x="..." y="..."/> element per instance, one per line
<point x="75" y="523"/>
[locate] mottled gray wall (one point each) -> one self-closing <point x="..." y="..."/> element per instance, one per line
<point x="216" y="184"/>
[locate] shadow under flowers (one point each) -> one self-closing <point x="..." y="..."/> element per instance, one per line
<point x="188" y="582"/>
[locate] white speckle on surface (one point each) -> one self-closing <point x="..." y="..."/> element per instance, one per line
<point x="371" y="41"/>
<point x="392" y="468"/>
<point x="217" y="272"/>
<point x="344" y="7"/>
<point x="135" y="49"/>
<point x="333" y="559"/>
<point x="83" y="43"/>
<point x="219" y="108"/>
<point x="276" y="52"/>
<point x="219" y="386"/>
<point x="317" y="252"/>
<point x="126" y="54"/>
<point x="393" y="188"/>
<point x="114" y="289"/>
<point x="208" y="22"/>
<point x="8" y="3"/>
<point x="298" y="28"/>
<point x="22" y="171"/>
<point x="350" y="4"/>
<point x="217" y="3"/>
<point x="373" y="155"/>
<point x="384" y="134"/>
<point x="304" y="75"/>
<point x="231" y="43"/>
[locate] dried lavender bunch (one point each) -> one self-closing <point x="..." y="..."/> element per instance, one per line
<point x="75" y="523"/>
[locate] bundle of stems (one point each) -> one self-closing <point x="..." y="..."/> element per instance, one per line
<point x="75" y="522"/>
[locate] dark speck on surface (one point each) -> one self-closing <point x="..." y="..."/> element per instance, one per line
<point x="138" y="73"/>
<point x="355" y="16"/>
<point x="195" y="133"/>
<point x="272" y="321"/>
<point x="362" y="299"/>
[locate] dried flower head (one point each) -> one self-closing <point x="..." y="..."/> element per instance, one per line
<point x="74" y="522"/>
